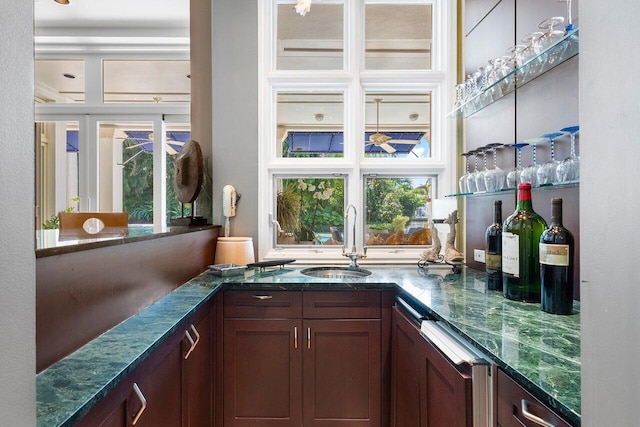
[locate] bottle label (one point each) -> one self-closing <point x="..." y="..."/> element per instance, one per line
<point x="554" y="254"/>
<point x="511" y="254"/>
<point x="494" y="261"/>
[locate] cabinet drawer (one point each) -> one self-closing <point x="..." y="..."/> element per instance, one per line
<point x="260" y="304"/>
<point x="511" y="399"/>
<point x="341" y="305"/>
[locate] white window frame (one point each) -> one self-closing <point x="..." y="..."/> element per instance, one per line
<point x="94" y="110"/>
<point x="355" y="82"/>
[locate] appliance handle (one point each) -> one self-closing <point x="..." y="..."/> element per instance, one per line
<point x="452" y="347"/>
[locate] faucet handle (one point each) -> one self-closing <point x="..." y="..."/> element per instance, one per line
<point x="364" y="250"/>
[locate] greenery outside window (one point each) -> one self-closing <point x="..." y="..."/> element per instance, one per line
<point x="398" y="210"/>
<point x="310" y="210"/>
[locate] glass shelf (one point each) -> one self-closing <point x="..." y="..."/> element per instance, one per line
<point x="551" y="57"/>
<point x="512" y="190"/>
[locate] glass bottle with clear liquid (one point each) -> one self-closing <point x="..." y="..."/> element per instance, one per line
<point x="521" y="233"/>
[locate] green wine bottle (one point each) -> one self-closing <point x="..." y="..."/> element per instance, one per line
<point x="521" y="233"/>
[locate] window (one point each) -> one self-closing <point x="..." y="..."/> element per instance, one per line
<point x="310" y="210"/>
<point x="353" y="97"/>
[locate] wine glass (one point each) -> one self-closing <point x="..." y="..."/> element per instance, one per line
<point x="471" y="178"/>
<point x="550" y="37"/>
<point x="462" y="182"/>
<point x="479" y="176"/>
<point x="494" y="177"/>
<point x="531" y="51"/>
<point x="569" y="169"/>
<point x="513" y="177"/>
<point x="530" y="173"/>
<point x="547" y="172"/>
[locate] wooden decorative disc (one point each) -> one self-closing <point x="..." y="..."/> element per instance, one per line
<point x="189" y="172"/>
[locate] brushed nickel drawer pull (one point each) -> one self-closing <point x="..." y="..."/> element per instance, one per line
<point x="533" y="418"/>
<point x="193" y="344"/>
<point x="308" y="337"/>
<point x="263" y="297"/>
<point x="143" y="401"/>
<point x="195" y="332"/>
<point x="295" y="337"/>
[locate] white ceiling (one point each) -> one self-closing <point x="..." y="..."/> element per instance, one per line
<point x="112" y="13"/>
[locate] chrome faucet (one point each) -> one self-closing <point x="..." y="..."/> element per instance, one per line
<point x="354" y="255"/>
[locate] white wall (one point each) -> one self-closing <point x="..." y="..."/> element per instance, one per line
<point x="609" y="203"/>
<point x="17" y="256"/>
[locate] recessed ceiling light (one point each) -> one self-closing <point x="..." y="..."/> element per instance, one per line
<point x="319" y="117"/>
<point x="413" y="117"/>
<point x="188" y="76"/>
<point x="69" y="76"/>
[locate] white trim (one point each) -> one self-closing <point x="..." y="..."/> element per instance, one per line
<point x="355" y="84"/>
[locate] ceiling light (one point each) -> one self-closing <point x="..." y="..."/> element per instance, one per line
<point x="319" y="117"/>
<point x="413" y="117"/>
<point x="303" y="7"/>
<point x="63" y="1"/>
<point x="69" y="76"/>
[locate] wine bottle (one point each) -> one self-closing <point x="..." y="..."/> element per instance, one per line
<point x="493" y="249"/>
<point x="521" y="233"/>
<point x="556" y="264"/>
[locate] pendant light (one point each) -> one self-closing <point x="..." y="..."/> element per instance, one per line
<point x="65" y="2"/>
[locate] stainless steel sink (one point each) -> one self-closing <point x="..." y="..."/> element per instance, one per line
<point x="335" y="272"/>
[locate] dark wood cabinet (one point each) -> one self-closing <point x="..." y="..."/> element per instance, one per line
<point x="407" y="351"/>
<point x="159" y="383"/>
<point x="517" y="407"/>
<point x="172" y="387"/>
<point x="342" y="373"/>
<point x="262" y="372"/>
<point x="427" y="390"/>
<point x="320" y="365"/>
<point x="198" y="371"/>
<point x="445" y="392"/>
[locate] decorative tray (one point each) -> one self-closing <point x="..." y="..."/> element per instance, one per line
<point x="225" y="270"/>
<point x="271" y="263"/>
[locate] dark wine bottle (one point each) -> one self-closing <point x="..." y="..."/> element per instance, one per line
<point x="521" y="233"/>
<point x="493" y="249"/>
<point x="556" y="264"/>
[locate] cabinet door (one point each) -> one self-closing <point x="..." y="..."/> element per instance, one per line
<point x="342" y="373"/>
<point x="197" y="368"/>
<point x="445" y="392"/>
<point x="160" y="383"/>
<point x="407" y="345"/>
<point x="262" y="376"/>
<point x="512" y="399"/>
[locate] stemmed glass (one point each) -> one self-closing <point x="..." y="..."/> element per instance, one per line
<point x="530" y="51"/>
<point x="530" y="173"/>
<point x="471" y="178"/>
<point x="547" y="172"/>
<point x="494" y="177"/>
<point x="550" y="37"/>
<point x="479" y="176"/>
<point x="569" y="169"/>
<point x="513" y="177"/>
<point x="462" y="182"/>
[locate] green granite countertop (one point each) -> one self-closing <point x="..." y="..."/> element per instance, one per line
<point x="541" y="351"/>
